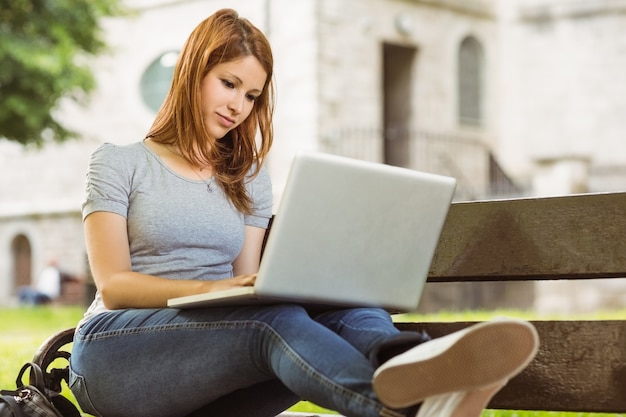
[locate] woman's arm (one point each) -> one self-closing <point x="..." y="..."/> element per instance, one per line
<point x="107" y="245"/>
<point x="249" y="259"/>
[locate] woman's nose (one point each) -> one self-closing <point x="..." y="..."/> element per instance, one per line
<point x="236" y="104"/>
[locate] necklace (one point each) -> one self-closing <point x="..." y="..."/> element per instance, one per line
<point x="208" y="183"/>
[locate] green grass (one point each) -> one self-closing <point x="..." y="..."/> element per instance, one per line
<point x="486" y="315"/>
<point x="22" y="330"/>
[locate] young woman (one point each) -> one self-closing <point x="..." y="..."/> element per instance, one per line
<point x="184" y="211"/>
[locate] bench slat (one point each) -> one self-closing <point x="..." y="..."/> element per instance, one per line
<point x="580" y="366"/>
<point x="581" y="236"/>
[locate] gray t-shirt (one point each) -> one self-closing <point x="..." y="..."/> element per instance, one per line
<point x="177" y="228"/>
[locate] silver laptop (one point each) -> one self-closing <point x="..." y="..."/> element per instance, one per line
<point x="346" y="233"/>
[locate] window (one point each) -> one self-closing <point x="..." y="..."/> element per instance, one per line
<point x="156" y="80"/>
<point x="470" y="78"/>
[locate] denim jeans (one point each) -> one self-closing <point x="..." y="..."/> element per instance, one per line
<point x="239" y="361"/>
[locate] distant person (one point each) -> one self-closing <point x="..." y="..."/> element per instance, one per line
<point x="47" y="287"/>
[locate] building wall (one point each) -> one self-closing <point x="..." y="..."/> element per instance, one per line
<point x="554" y="94"/>
<point x="352" y="36"/>
<point x="292" y="28"/>
<point x="564" y="66"/>
<point x="350" y="59"/>
<point x="562" y="128"/>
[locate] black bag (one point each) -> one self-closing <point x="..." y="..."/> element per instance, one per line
<point x="34" y="399"/>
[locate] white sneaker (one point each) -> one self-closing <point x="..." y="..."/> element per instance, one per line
<point x="473" y="358"/>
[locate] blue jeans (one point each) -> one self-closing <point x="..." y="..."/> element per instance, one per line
<point x="30" y="296"/>
<point x="240" y="361"/>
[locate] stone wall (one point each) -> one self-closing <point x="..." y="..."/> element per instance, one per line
<point x="554" y="89"/>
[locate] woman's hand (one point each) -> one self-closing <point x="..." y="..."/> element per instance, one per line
<point x="234" y="282"/>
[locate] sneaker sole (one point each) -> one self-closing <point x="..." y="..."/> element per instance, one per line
<point x="488" y="353"/>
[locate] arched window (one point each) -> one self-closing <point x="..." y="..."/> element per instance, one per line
<point x="157" y="78"/>
<point x="21" y="254"/>
<point x="471" y="82"/>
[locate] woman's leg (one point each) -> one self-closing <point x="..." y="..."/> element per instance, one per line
<point x="486" y="355"/>
<point x="371" y="331"/>
<point x="172" y="362"/>
<point x="458" y="372"/>
<point x="266" y="399"/>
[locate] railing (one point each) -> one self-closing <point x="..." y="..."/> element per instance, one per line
<point x="467" y="159"/>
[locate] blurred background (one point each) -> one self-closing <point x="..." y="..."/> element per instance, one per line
<point x="514" y="98"/>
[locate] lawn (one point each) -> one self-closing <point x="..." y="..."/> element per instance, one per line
<point x="24" y="329"/>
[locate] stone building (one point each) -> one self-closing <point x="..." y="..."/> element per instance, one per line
<point x="511" y="97"/>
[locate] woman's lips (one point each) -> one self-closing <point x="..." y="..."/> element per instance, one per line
<point x="225" y="121"/>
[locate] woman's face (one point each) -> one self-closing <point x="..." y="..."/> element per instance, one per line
<point x="228" y="93"/>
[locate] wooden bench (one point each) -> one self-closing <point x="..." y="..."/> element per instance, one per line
<point x="581" y="365"/>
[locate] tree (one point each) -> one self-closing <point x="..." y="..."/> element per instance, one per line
<point x="45" y="46"/>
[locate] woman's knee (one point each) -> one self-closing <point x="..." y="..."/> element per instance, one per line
<point x="374" y="319"/>
<point x="281" y="314"/>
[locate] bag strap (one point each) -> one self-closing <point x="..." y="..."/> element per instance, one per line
<point x="35" y="379"/>
<point x="12" y="404"/>
<point x="64" y="406"/>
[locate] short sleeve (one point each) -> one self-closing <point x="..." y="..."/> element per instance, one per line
<point x="107" y="184"/>
<point x="260" y="190"/>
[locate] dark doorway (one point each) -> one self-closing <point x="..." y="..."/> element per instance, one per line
<point x="397" y="87"/>
<point x="22" y="259"/>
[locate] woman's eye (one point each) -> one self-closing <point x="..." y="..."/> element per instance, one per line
<point x="251" y="97"/>
<point x="228" y="84"/>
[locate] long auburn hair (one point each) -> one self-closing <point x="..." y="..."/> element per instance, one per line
<point x="222" y="37"/>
